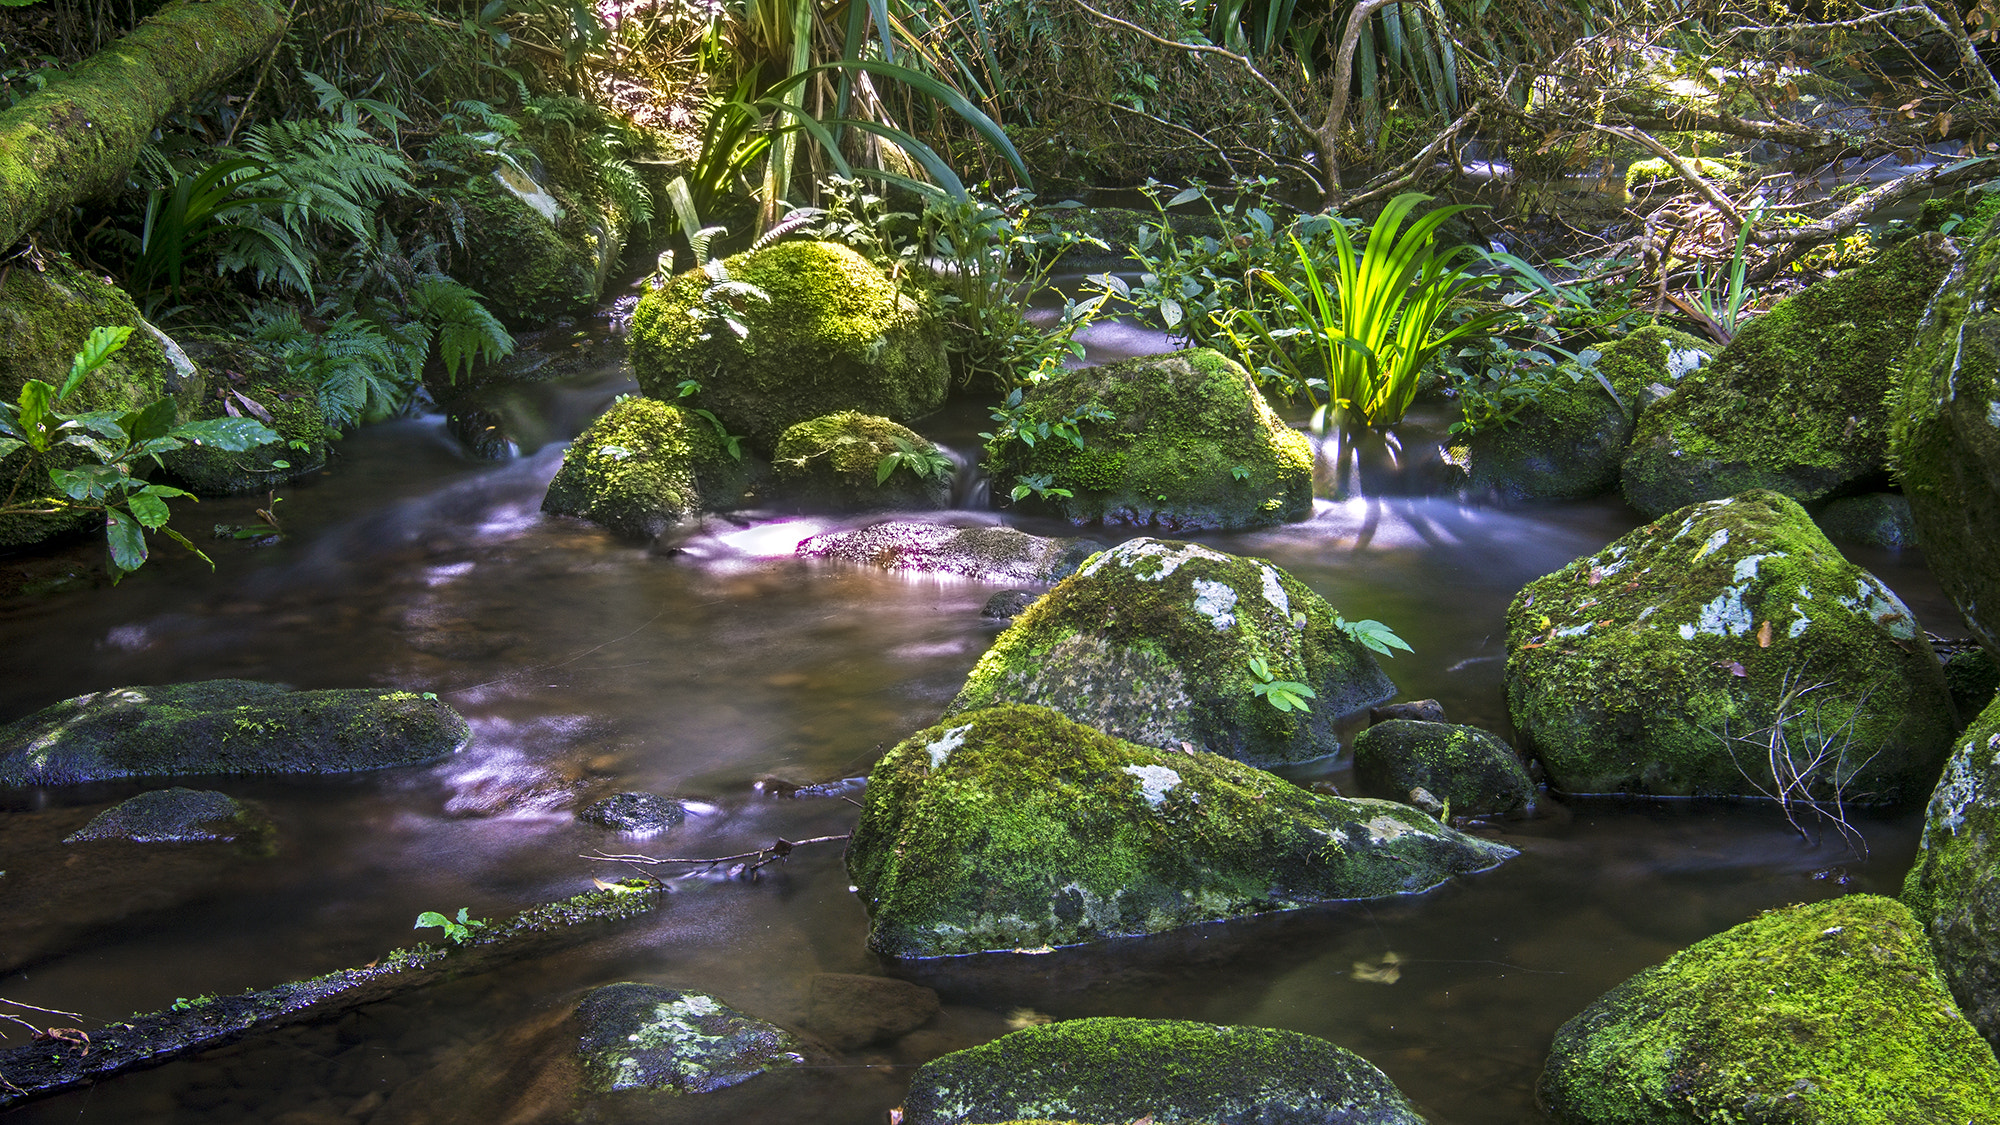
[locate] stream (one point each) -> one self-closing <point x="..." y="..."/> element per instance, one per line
<point x="589" y="667"/>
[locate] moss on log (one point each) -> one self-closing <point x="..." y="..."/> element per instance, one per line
<point x="80" y="137"/>
<point x="39" y="1069"/>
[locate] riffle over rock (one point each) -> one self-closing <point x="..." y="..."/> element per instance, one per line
<point x="987" y="554"/>
<point x="1153" y="640"/>
<point x="1108" y="1070"/>
<point x="1014" y="828"/>
<point x="225" y="727"/>
<point x="1664" y="663"/>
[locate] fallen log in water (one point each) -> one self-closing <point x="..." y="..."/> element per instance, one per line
<point x="46" y="1066"/>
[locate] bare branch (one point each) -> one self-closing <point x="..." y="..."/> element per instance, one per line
<point x="1681" y="167"/>
<point x="1404" y="174"/>
<point x="763" y="857"/>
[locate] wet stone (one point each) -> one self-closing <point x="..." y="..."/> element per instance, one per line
<point x="169" y="816"/>
<point x="989" y="554"/>
<point x="1469" y="770"/>
<point x="1416" y="710"/>
<point x="851" y="1011"/>
<point x="635" y="814"/>
<point x="1008" y="604"/>
<point x="644" y="1037"/>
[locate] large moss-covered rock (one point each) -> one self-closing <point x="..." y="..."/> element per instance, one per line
<point x="225" y="727"/>
<point x="1015" y="828"/>
<point x="1661" y="664"/>
<point x="530" y="265"/>
<point x="644" y="1037"/>
<point x="1830" y="1013"/>
<point x="836" y="334"/>
<point x="987" y="554"/>
<point x="833" y="464"/>
<point x="1567" y="446"/>
<point x="174" y="816"/>
<point x="1954" y="888"/>
<point x="45" y="317"/>
<point x="1795" y="403"/>
<point x="245" y="380"/>
<point x="1646" y="364"/>
<point x="643" y="467"/>
<point x="1108" y="1070"/>
<point x="1472" y="770"/>
<point x="1153" y="640"/>
<point x="1945" y="437"/>
<point x="1183" y="442"/>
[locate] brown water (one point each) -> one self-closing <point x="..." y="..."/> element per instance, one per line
<point x="588" y="667"/>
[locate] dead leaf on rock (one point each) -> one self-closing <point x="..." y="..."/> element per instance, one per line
<point x="1764" y="635"/>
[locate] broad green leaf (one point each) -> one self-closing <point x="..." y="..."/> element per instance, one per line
<point x="148" y="510"/>
<point x="33" y="413"/>
<point x="90" y="444"/>
<point x="885" y="467"/>
<point x="150" y="421"/>
<point x="90" y="482"/>
<point x="103" y="343"/>
<point x="231" y="435"/>
<point x="9" y="445"/>
<point x="127" y="542"/>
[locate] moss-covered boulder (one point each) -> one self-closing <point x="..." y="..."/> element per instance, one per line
<point x="1472" y="770"/>
<point x="1945" y="437"/>
<point x="46" y="314"/>
<point x="644" y="1037"/>
<point x="1568" y="446"/>
<point x="1646" y="364"/>
<point x="1954" y="888"/>
<point x="1664" y="663"/>
<point x="834" y="464"/>
<point x="1154" y="641"/>
<point x="1795" y="403"/>
<point x="1014" y="828"/>
<point x="1108" y="1070"/>
<point x="835" y="334"/>
<point x="987" y="554"/>
<point x="531" y="265"/>
<point x="645" y="466"/>
<point x="248" y="382"/>
<point x="1973" y="676"/>
<point x="1873" y="519"/>
<point x="174" y="816"/>
<point x="225" y="727"/>
<point x="1830" y="1013"/>
<point x="1182" y="441"/>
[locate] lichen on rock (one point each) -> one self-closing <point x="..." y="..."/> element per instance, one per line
<point x="834" y="334"/>
<point x="1186" y="442"/>
<point x="832" y="464"/>
<point x="1954" y="887"/>
<point x="1014" y="828"/>
<point x="643" y="467"/>
<point x="987" y="554"/>
<point x="1656" y="665"/>
<point x="1111" y="1070"/>
<point x="1830" y="1013"/>
<point x="644" y="1037"/>
<point x="1152" y="641"/>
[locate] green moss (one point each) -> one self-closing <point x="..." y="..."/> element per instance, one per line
<point x="1954" y="887"/>
<point x="1829" y="1014"/>
<point x="1013" y="827"/>
<point x="644" y="1037"/>
<point x="292" y="403"/>
<point x="836" y="334"/>
<point x="1471" y="769"/>
<point x="1655" y="172"/>
<point x="224" y="727"/>
<point x="1565" y="447"/>
<point x="831" y="463"/>
<point x="1648" y="363"/>
<point x="1795" y="402"/>
<point x="1152" y="641"/>
<point x="529" y="271"/>
<point x="1189" y="444"/>
<point x="1110" y="1071"/>
<point x="1627" y="668"/>
<point x="643" y="467"/>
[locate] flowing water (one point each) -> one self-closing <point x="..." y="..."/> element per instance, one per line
<point x="589" y="667"/>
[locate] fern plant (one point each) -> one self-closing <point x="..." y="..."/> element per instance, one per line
<point x="463" y="330"/>
<point x="329" y="178"/>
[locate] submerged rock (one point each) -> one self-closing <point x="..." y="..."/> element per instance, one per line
<point x="1795" y="403"/>
<point x="1662" y="664"/>
<point x="1954" y="888"/>
<point x="644" y="1037"/>
<point x="1472" y="771"/>
<point x="988" y="554"/>
<point x="643" y="467"/>
<point x="1945" y="436"/>
<point x="1567" y="446"/>
<point x="1008" y="604"/>
<point x="1113" y="1070"/>
<point x="635" y="814"/>
<point x="1153" y="641"/>
<point x="1182" y="441"/>
<point x="1830" y="1013"/>
<point x="1015" y="828"/>
<point x="851" y="1011"/>
<point x="225" y="727"/>
<point x="173" y="816"/>
<point x="835" y="334"/>
<point x="833" y="464"/>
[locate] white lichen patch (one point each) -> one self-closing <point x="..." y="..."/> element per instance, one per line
<point x="1617" y="563"/>
<point x="1799" y="623"/>
<point x="1574" y="630"/>
<point x="1956" y="792"/>
<point x="1215" y="601"/>
<point x="1726" y="616"/>
<point x="614" y="452"/>
<point x="1151" y="560"/>
<point x="1681" y="361"/>
<point x="945" y="744"/>
<point x="1993" y="415"/>
<point x="1274" y="590"/>
<point x="1715" y="543"/>
<point x="1875" y="601"/>
<point x="1746" y="567"/>
<point x="1385" y="828"/>
<point x="1154" y="782"/>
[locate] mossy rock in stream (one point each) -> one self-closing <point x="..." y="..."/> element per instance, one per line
<point x="984" y="554"/>
<point x="1567" y="446"/>
<point x="176" y="816"/>
<point x="529" y="266"/>
<point x="1830" y="1013"/>
<point x="1015" y="828"/>
<point x="1945" y="437"/>
<point x="1153" y="640"/>
<point x="645" y="1037"/>
<point x="1471" y="770"/>
<point x="1954" y="888"/>
<point x="225" y="727"/>
<point x="833" y="464"/>
<point x="1182" y="441"/>
<point x="1109" y="1070"/>
<point x="1634" y="669"/>
<point x="643" y="467"/>
<point x="1796" y="402"/>
<point x="237" y="371"/>
<point x="834" y="334"/>
<point x="1646" y="364"/>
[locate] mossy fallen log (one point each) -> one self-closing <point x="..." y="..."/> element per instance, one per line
<point x="80" y="137"/>
<point x="39" y="1069"/>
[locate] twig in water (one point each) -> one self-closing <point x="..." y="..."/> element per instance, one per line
<point x="747" y="870"/>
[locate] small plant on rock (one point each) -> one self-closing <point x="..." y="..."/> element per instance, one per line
<point x="1285" y="695"/>
<point x="459" y="931"/>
